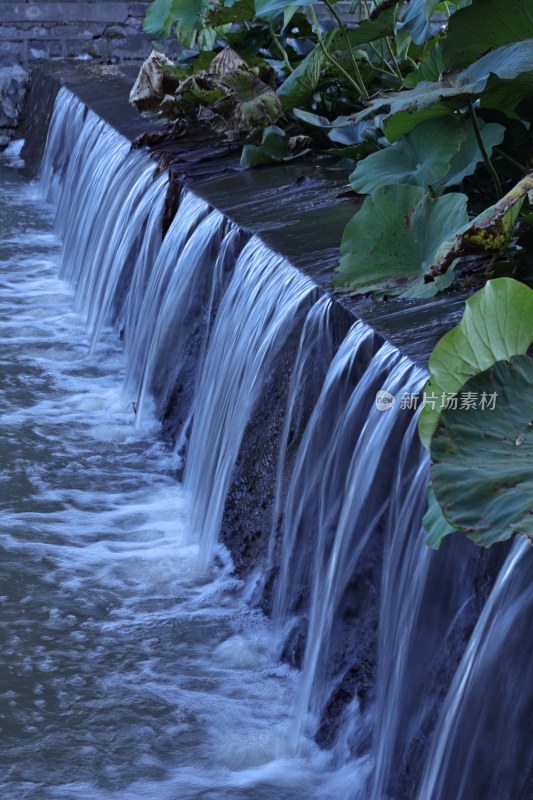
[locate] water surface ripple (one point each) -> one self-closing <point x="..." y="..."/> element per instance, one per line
<point x="123" y="672"/>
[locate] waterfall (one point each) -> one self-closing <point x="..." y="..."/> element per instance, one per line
<point x="310" y="482"/>
<point x="421" y="610"/>
<point x="65" y="130"/>
<point x="397" y="660"/>
<point x="260" y="309"/>
<point x="188" y="297"/>
<point x="315" y="352"/>
<point x="482" y="742"/>
<point x="149" y="285"/>
<point x="339" y="498"/>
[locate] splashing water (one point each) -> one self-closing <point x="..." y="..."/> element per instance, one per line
<point x="132" y="664"/>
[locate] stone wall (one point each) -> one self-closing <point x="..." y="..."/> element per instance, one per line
<point x="31" y="32"/>
<point x="34" y="31"/>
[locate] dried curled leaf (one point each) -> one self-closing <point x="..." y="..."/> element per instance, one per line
<point x="150" y="87"/>
<point x="149" y="139"/>
<point x="487" y="234"/>
<point x="297" y="144"/>
<point x="230" y="97"/>
<point x="226" y="61"/>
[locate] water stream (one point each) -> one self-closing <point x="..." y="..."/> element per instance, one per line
<point x="135" y="662"/>
<point x="127" y="670"/>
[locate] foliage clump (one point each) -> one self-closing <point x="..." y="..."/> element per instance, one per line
<point x="428" y="105"/>
<point x="430" y="94"/>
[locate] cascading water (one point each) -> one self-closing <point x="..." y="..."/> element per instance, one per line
<point x="421" y="611"/>
<point x="315" y="352"/>
<point x="125" y="672"/>
<point x="482" y="742"/>
<point x="134" y="666"/>
<point x="187" y="286"/>
<point x="348" y="520"/>
<point x="149" y="286"/>
<point x="262" y="305"/>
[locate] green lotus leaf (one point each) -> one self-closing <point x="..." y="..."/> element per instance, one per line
<point x="162" y="14"/>
<point x="372" y="30"/>
<point x="497" y="324"/>
<point x="422" y="158"/>
<point x="428" y="70"/>
<point x="303" y="81"/>
<point x="432" y="98"/>
<point x="388" y="242"/>
<point x="418" y="20"/>
<point x="341" y="130"/>
<point x="201" y="36"/>
<point x="486" y="25"/>
<point x="273" y="147"/>
<point x="464" y="163"/>
<point x="482" y="455"/>
<point x="289" y="12"/>
<point x="397" y="125"/>
<point x="351" y="134"/>
<point x="159" y="19"/>
<point x="231" y="11"/>
<point x="435" y="523"/>
<point x="321" y="122"/>
<point x="271" y="10"/>
<point x="506" y="95"/>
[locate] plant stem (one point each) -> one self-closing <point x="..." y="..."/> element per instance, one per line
<point x="385" y="66"/>
<point x="386" y="69"/>
<point x="281" y="49"/>
<point x="332" y="60"/>
<point x="488" y="163"/>
<point x="395" y="60"/>
<point x="221" y="35"/>
<point x="355" y="66"/>
<point x="396" y="72"/>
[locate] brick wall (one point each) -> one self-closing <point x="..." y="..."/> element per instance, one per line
<point x="32" y="31"/>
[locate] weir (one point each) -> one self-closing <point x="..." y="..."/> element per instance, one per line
<point x="298" y="483"/>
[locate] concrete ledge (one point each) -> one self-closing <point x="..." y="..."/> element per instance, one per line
<point x="305" y="224"/>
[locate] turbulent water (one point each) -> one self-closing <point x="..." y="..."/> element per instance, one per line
<point x="134" y="663"/>
<point x="124" y="673"/>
